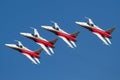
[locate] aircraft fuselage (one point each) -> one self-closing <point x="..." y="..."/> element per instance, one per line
<point x="46" y="43"/>
<point x="101" y="32"/>
<point x="67" y="36"/>
<point x="24" y="51"/>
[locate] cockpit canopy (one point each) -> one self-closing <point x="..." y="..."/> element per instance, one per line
<point x="55" y="28"/>
<point x="92" y="25"/>
<point x="35" y="35"/>
<point x="20" y="46"/>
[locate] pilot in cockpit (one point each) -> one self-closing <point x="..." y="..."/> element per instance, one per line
<point x="92" y="25"/>
<point x="55" y="28"/>
<point x="20" y="46"/>
<point x="35" y="35"/>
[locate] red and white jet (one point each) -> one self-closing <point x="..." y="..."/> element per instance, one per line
<point x="32" y="55"/>
<point x="70" y="39"/>
<point x="41" y="41"/>
<point x="104" y="35"/>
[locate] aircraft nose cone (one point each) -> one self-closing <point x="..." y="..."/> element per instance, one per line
<point x="7" y="44"/>
<point x="45" y="27"/>
<point x="24" y="34"/>
<point x="77" y="22"/>
<point x="10" y="45"/>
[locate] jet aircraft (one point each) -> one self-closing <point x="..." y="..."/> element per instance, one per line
<point x="45" y="44"/>
<point x="104" y="35"/>
<point x="70" y="39"/>
<point x="32" y="55"/>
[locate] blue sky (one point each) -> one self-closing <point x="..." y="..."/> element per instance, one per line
<point x="91" y="60"/>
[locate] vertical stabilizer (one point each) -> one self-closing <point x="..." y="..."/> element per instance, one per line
<point x="110" y="30"/>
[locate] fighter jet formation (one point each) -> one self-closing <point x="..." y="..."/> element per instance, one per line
<point x="69" y="39"/>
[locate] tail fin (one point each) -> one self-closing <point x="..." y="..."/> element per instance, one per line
<point x="53" y="41"/>
<point x="38" y="51"/>
<point x="75" y="34"/>
<point x="110" y="30"/>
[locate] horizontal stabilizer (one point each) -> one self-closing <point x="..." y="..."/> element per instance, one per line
<point x="110" y="30"/>
<point x="53" y="41"/>
<point x="75" y="34"/>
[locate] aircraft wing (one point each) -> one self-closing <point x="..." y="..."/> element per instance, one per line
<point x="37" y="60"/>
<point x="29" y="57"/>
<point x="97" y="27"/>
<point x="99" y="36"/>
<point x="73" y="43"/>
<point x="67" y="41"/>
<point x="42" y="38"/>
<point x="63" y="31"/>
<point x="45" y="48"/>
<point x="108" y="40"/>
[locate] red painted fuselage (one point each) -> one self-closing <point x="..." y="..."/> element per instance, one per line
<point x="101" y="32"/>
<point x="67" y="36"/>
<point x="31" y="53"/>
<point x="46" y="43"/>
